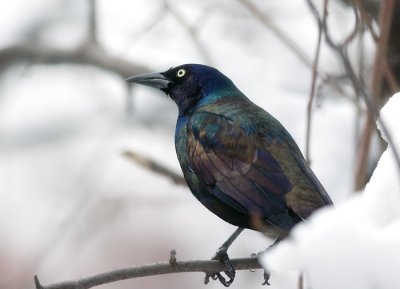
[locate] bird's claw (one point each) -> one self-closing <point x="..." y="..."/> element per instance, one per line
<point x="266" y="278"/>
<point x="218" y="276"/>
<point x="266" y="273"/>
<point x="223" y="257"/>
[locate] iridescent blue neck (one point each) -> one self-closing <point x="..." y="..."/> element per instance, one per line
<point x="218" y="94"/>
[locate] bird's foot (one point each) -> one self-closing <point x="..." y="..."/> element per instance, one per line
<point x="266" y="273"/>
<point x="266" y="278"/>
<point x="230" y="272"/>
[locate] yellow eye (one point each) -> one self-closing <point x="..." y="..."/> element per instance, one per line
<point x="181" y="72"/>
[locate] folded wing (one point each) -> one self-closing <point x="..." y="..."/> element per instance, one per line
<point x="237" y="168"/>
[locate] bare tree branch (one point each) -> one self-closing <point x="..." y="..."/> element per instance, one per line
<point x="206" y="266"/>
<point x="314" y="78"/>
<point x="85" y="54"/>
<point x="301" y="281"/>
<point x="151" y="23"/>
<point x="90" y="52"/>
<point x="327" y="79"/>
<point x="92" y="21"/>
<point x="155" y="167"/>
<point x="277" y="31"/>
<point x="374" y="103"/>
<point x="191" y="30"/>
<point x="358" y="85"/>
<point x="390" y="77"/>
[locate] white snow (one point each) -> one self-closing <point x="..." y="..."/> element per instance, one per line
<point x="355" y="244"/>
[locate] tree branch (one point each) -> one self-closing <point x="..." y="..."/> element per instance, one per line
<point x="206" y="266"/>
<point x="314" y="78"/>
<point x="385" y="21"/>
<point x="92" y="21"/>
<point x="277" y="31"/>
<point x="155" y="167"/>
<point x="358" y="85"/>
<point x="87" y="54"/>
<point x="191" y="30"/>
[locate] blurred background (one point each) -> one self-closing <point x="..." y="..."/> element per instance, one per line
<point x="74" y="203"/>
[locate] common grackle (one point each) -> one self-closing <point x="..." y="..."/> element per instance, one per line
<point x="237" y="159"/>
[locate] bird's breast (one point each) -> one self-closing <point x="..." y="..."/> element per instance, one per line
<point x="181" y="139"/>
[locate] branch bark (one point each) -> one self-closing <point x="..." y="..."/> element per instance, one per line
<point x="205" y="266"/>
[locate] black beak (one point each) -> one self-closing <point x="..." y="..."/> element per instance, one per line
<point x="156" y="80"/>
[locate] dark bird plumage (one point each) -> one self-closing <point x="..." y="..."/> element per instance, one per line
<point x="237" y="159"/>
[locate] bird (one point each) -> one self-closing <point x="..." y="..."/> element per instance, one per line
<point x="237" y="159"/>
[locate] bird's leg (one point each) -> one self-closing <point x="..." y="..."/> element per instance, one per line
<point x="222" y="256"/>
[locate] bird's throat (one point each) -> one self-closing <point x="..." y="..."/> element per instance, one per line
<point x="187" y="102"/>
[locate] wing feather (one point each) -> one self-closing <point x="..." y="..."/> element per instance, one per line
<point x="238" y="170"/>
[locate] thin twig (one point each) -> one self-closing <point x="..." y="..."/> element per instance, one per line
<point x="206" y="266"/>
<point x="92" y="21"/>
<point x="359" y="87"/>
<point x="314" y="80"/>
<point x="301" y="281"/>
<point x="325" y="78"/>
<point x="385" y="20"/>
<point x="277" y="31"/>
<point x="155" y="167"/>
<point x="191" y="30"/>
<point x="151" y="22"/>
<point x="357" y="28"/>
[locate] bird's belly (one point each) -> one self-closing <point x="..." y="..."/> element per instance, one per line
<point x="219" y="208"/>
<point x="226" y="212"/>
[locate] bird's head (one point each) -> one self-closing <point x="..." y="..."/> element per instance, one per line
<point x="188" y="84"/>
